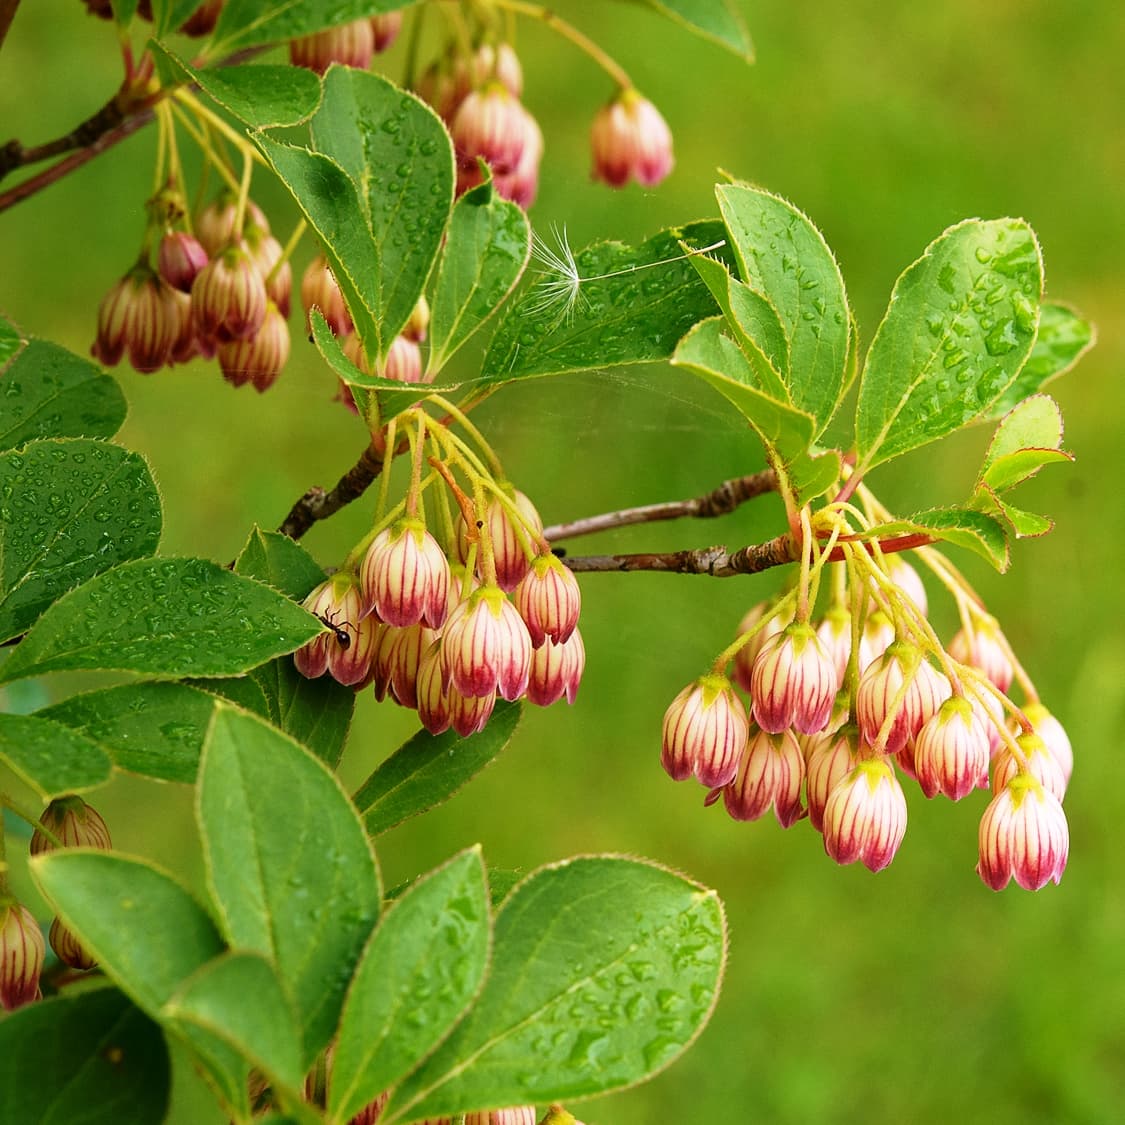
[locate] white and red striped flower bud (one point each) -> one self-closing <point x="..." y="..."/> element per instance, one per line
<point x="486" y="646"/>
<point x="982" y="647"/>
<point x="186" y="345"/>
<point x="521" y="184"/>
<point x="509" y="547"/>
<point x="346" y="647"/>
<point x="865" y="816"/>
<point x="404" y="659"/>
<point x="878" y="635"/>
<point x="432" y="692"/>
<point x="556" y="670"/>
<point x="490" y="124"/>
<point x="517" y="1115"/>
<point x="381" y="659"/>
<point x="705" y="732"/>
<point x="214" y="226"/>
<point x="908" y="580"/>
<point x="770" y="774"/>
<point x="349" y="44"/>
<point x="22" y="950"/>
<point x="1023" y="835"/>
<point x="990" y="711"/>
<point x="417" y="326"/>
<point x="630" y="140"/>
<point x="1034" y="758"/>
<point x="835" y="635"/>
<point x="385" y="29"/>
<point x="266" y="253"/>
<point x="405" y="576"/>
<point x="228" y="297"/>
<point x="68" y="949"/>
<point x="469" y="714"/>
<point x="951" y="751"/>
<point x="403" y="362"/>
<point x="1044" y="724"/>
<point x="744" y="659"/>
<point x="260" y="358"/>
<point x="793" y="683"/>
<point x="831" y="758"/>
<point x="319" y="290"/>
<point x="548" y="600"/>
<point x="139" y="318"/>
<point x="901" y="687"/>
<point x="73" y="823"/>
<point x="202" y="21"/>
<point x="179" y="258"/>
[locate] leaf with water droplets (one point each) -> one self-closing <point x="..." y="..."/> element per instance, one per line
<point x="163" y="617"/>
<point x="246" y="23"/>
<point x="288" y="864"/>
<point x="377" y="187"/>
<point x="420" y="971"/>
<point x="48" y="392"/>
<point x="69" y="510"/>
<point x="604" y="970"/>
<point x="278" y="561"/>
<point x="86" y="1056"/>
<point x="51" y="758"/>
<point x="632" y="305"/>
<point x="717" y="20"/>
<point x="1061" y="341"/>
<point x="959" y="327"/>
<point x="977" y="531"/>
<point x="428" y="769"/>
<point x="484" y="255"/>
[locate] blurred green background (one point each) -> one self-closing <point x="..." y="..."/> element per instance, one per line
<point x="913" y="996"/>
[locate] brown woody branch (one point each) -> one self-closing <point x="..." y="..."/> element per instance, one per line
<point x="717" y="562"/>
<point x="316" y="504"/>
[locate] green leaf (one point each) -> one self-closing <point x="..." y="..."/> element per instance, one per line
<point x="123" y="11"/>
<point x="1024" y="525"/>
<point x="145" y="930"/>
<point x="69" y="510"/>
<point x="485" y="253"/>
<point x="419" y="973"/>
<point x="263" y="1031"/>
<point x="428" y="769"/>
<point x="168" y="15"/>
<point x="260" y="96"/>
<point x="164" y="617"/>
<point x="153" y="729"/>
<point x="784" y="259"/>
<point x="786" y="432"/>
<point x="278" y="561"/>
<point x="961" y="322"/>
<point x="718" y="20"/>
<point x="288" y="864"/>
<point x="10" y="343"/>
<point x="245" y="23"/>
<point x="603" y="971"/>
<point x="1063" y="338"/>
<point x="378" y="190"/>
<point x="87" y="1057"/>
<point x="49" y="757"/>
<point x="978" y="531"/>
<point x="632" y="305"/>
<point x="50" y="392"/>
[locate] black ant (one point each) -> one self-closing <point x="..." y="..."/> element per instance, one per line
<point x="340" y="631"/>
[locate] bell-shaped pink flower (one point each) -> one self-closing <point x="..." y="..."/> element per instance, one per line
<point x="228" y="297"/>
<point x="1044" y="724"/>
<point x="319" y="290"/>
<point x="1037" y="760"/>
<point x="745" y="657"/>
<point x="418" y="325"/>
<point x="404" y="659"/>
<point x="705" y="732"/>
<point x="865" y="816"/>
<point x="508" y="545"/>
<point x="549" y="600"/>
<point x="22" y="950"/>
<point x="831" y="759"/>
<point x="835" y="635"/>
<point x="486" y="646"/>
<point x="1023" y="835"/>
<point x="793" y="682"/>
<point x="630" y="140"/>
<point x="881" y="698"/>
<point x="556" y="670"/>
<point x="490" y="124"/>
<point x="346" y="647"/>
<point x="179" y="258"/>
<point x="68" y="949"/>
<point x="266" y="254"/>
<point x="770" y="774"/>
<point x="516" y="1115"/>
<point x="348" y="44"/>
<point x="385" y="29"/>
<point x="982" y="647"/>
<point x="260" y="358"/>
<point x="214" y="225"/>
<point x="405" y="576"/>
<point x="139" y="317"/>
<point x="403" y="361"/>
<point x="432" y="692"/>
<point x="74" y="823"/>
<point x="951" y="751"/>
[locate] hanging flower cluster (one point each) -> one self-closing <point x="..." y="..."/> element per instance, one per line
<point x="836" y="710"/>
<point x="445" y="616"/>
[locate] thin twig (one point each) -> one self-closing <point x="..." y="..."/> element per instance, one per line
<point x="718" y="502"/>
<point x="717" y="562"/>
<point x="316" y="504"/>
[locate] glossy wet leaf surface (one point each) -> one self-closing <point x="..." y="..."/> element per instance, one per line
<point x="50" y="757"/>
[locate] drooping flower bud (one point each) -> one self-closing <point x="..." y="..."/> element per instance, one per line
<point x="405" y="576"/>
<point x="1037" y="760"/>
<point x="835" y="634"/>
<point x="793" y="682"/>
<point x="260" y="358"/>
<point x="319" y="290"/>
<point x="68" y="949"/>
<point x="266" y="254"/>
<point x="416" y="327"/>
<point x="631" y="141"/>
<point x="556" y="670"/>
<point x="518" y="1115"/>
<point x="139" y="318"/>
<point x="490" y="124"/>
<point x="521" y="184"/>
<point x="831" y="759"/>
<point x="878" y="635"/>
<point x="486" y="646"/>
<point x="865" y="816"/>
<point x="770" y="773"/>
<point x="990" y="711"/>
<point x="385" y="29"/>
<point x="744" y="660"/>
<point x="549" y="600"/>
<point x="705" y="732"/>
<point x="881" y="689"/>
<point x="432" y="692"/>
<point x="403" y="362"/>
<point x="228" y="297"/>
<point x="214" y="226"/>
<point x="908" y="580"/>
<point x="469" y="714"/>
<point x="951" y="751"/>
<point x="1023" y="835"/>
<point x="73" y="823"/>
<point x="349" y="44"/>
<point x="1054" y="736"/>
<point x="403" y="658"/>
<point x="346" y="648"/>
<point x="511" y="559"/>
<point x="982" y="647"/>
<point x="179" y="258"/>
<point x="21" y="956"/>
